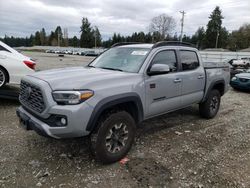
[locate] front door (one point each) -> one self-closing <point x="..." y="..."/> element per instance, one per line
<point x="163" y="92"/>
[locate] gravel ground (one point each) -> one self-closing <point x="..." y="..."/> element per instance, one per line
<point x="175" y="150"/>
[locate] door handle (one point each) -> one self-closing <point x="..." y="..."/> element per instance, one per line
<point x="177" y="80"/>
<point x="200" y="77"/>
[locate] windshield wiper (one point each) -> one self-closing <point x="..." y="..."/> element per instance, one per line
<point x="91" y="66"/>
<point x="109" y="68"/>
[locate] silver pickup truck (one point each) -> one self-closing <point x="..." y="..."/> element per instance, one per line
<point x="125" y="85"/>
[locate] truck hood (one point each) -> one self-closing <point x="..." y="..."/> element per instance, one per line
<point x="76" y="78"/>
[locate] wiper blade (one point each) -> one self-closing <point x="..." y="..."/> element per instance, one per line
<point x="109" y="68"/>
<point x="91" y="66"/>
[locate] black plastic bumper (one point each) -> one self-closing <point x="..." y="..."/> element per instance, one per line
<point x="28" y="124"/>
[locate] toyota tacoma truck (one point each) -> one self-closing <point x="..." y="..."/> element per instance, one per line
<point x="125" y="85"/>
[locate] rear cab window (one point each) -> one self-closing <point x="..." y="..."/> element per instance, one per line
<point x="189" y="60"/>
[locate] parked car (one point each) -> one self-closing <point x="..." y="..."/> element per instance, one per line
<point x="82" y="53"/>
<point x="241" y="81"/>
<point x="58" y="52"/>
<point x="235" y="70"/>
<point x="230" y="61"/>
<point x="67" y="52"/>
<point x="76" y="53"/>
<point x="91" y="53"/>
<point x="243" y="62"/>
<point x="49" y="51"/>
<point x="125" y="85"/>
<point x="13" y="65"/>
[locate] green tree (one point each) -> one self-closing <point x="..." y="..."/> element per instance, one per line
<point x="52" y="39"/>
<point x="58" y="35"/>
<point x="156" y="37"/>
<point x="214" y="28"/>
<point x="37" y="39"/>
<point x="43" y="37"/>
<point x="199" y="38"/>
<point x="87" y="36"/>
<point x="74" y="42"/>
<point x="240" y="39"/>
<point x="97" y="36"/>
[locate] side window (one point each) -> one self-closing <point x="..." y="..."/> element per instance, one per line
<point x="3" y="49"/>
<point x="167" y="57"/>
<point x="189" y="60"/>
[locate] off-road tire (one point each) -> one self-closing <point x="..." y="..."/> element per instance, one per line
<point x="101" y="146"/>
<point x="210" y="107"/>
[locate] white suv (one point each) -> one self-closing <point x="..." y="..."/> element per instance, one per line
<point x="13" y="65"/>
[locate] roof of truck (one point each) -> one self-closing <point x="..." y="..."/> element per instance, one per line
<point x="175" y="44"/>
<point x="137" y="46"/>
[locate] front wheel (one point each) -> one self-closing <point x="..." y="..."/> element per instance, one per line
<point x="210" y="107"/>
<point x="3" y="77"/>
<point x="113" y="137"/>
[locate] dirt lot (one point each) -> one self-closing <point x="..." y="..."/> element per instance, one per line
<point x="175" y="150"/>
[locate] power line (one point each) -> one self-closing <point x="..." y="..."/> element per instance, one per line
<point x="182" y="24"/>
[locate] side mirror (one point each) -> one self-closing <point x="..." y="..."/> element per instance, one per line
<point x="158" y="69"/>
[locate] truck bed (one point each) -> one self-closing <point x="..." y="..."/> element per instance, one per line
<point x="212" y="65"/>
<point x="216" y="71"/>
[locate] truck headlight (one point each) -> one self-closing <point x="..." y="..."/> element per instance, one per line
<point x="72" y="97"/>
<point x="234" y="78"/>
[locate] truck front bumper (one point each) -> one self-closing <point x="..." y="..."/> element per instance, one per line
<point x="76" y="122"/>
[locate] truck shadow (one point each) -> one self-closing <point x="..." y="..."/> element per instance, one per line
<point x="9" y="102"/>
<point x="173" y="119"/>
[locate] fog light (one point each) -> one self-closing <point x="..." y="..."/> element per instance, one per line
<point x="63" y="121"/>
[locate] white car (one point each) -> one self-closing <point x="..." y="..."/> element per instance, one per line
<point x="13" y="65"/>
<point x="242" y="62"/>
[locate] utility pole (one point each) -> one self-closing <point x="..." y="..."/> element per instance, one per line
<point x="182" y="24"/>
<point x="217" y="37"/>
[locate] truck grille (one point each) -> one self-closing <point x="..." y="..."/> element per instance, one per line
<point x="31" y="97"/>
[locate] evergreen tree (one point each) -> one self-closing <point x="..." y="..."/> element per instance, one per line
<point x="240" y="39"/>
<point x="199" y="38"/>
<point x="74" y="42"/>
<point x="43" y="37"/>
<point x="86" y="39"/>
<point x="37" y="39"/>
<point x="214" y="28"/>
<point x="97" y="36"/>
<point x="58" y="35"/>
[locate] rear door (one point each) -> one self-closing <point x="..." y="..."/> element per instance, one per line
<point x="193" y="78"/>
<point x="163" y="92"/>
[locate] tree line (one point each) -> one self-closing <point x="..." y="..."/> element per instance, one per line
<point x="160" y="28"/>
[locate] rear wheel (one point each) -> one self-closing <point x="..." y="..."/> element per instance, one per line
<point x="113" y="137"/>
<point x="210" y="107"/>
<point x="3" y="77"/>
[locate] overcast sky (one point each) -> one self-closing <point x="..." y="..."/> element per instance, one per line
<point x="23" y="17"/>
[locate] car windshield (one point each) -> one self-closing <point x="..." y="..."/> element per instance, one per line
<point x="121" y="59"/>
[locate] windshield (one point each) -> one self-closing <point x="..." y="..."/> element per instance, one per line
<point x="122" y="59"/>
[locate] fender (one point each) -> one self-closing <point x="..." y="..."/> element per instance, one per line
<point x="212" y="86"/>
<point x="112" y="101"/>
